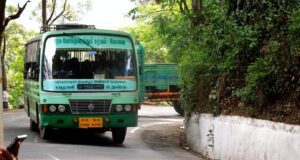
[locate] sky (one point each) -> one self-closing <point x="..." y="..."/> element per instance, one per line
<point x="105" y="14"/>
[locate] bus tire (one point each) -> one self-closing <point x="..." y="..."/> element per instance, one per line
<point x="178" y="108"/>
<point x="118" y="134"/>
<point x="45" y="132"/>
<point x="33" y="125"/>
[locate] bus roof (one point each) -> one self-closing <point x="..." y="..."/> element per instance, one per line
<point x="81" y="31"/>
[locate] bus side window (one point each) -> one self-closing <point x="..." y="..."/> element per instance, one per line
<point x="26" y="69"/>
<point x="31" y="71"/>
<point x="37" y="66"/>
<point x="35" y="75"/>
<point x="31" y="68"/>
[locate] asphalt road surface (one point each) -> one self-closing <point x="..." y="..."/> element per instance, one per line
<point x="143" y="142"/>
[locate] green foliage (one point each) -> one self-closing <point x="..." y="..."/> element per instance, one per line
<point x="258" y="74"/>
<point x="294" y="32"/>
<point x="15" y="83"/>
<point x="156" y="52"/>
<point x="146" y="34"/>
<point x="11" y="9"/>
<point x="16" y="37"/>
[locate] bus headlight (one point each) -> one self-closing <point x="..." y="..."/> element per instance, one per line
<point x="127" y="107"/>
<point x="119" y="108"/>
<point x="61" y="108"/>
<point x="52" y="108"/>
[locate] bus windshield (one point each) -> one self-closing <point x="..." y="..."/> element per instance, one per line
<point x="89" y="62"/>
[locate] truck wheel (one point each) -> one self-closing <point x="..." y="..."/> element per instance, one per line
<point x="118" y="134"/>
<point x="33" y="125"/>
<point x="45" y="132"/>
<point x="178" y="108"/>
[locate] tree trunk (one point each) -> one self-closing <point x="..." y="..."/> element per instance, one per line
<point x="197" y="12"/>
<point x="2" y="17"/>
<point x="197" y="6"/>
<point x="4" y="78"/>
<point x="44" y="14"/>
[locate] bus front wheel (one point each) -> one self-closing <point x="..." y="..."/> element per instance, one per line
<point x="118" y="134"/>
<point x="45" y="132"/>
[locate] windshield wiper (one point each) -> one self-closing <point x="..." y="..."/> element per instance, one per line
<point x="82" y="40"/>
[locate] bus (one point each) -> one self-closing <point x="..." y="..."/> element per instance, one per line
<point x="80" y="77"/>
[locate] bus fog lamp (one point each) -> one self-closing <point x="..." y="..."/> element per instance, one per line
<point x="119" y="108"/>
<point x="52" y="108"/>
<point x="61" y="108"/>
<point x="127" y="108"/>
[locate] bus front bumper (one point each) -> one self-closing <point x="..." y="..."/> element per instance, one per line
<point x="73" y="121"/>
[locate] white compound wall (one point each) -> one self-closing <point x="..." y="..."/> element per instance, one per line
<point x="240" y="138"/>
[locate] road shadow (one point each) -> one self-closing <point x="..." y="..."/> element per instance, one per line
<point x="81" y="137"/>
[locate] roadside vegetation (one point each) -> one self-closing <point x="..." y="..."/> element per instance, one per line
<point x="16" y="38"/>
<point x="236" y="57"/>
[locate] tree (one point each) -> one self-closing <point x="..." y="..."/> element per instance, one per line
<point x="59" y="11"/>
<point x="16" y="36"/>
<point x="4" y="21"/>
<point x="46" y="22"/>
<point x="147" y="34"/>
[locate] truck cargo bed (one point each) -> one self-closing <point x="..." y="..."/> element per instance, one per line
<point x="161" y="82"/>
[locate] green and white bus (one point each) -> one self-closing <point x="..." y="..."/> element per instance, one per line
<point x="80" y="77"/>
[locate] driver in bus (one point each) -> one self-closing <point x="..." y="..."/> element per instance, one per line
<point x="118" y="69"/>
<point x="101" y="72"/>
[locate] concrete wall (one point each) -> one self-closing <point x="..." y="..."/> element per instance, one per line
<point x="239" y="138"/>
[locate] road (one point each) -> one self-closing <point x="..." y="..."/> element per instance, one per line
<point x="143" y="142"/>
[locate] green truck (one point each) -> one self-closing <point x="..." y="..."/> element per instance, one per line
<point x="159" y="82"/>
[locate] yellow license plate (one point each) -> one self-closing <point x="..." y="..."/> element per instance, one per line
<point x="90" y="123"/>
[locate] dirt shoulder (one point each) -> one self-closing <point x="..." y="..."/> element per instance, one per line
<point x="169" y="137"/>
